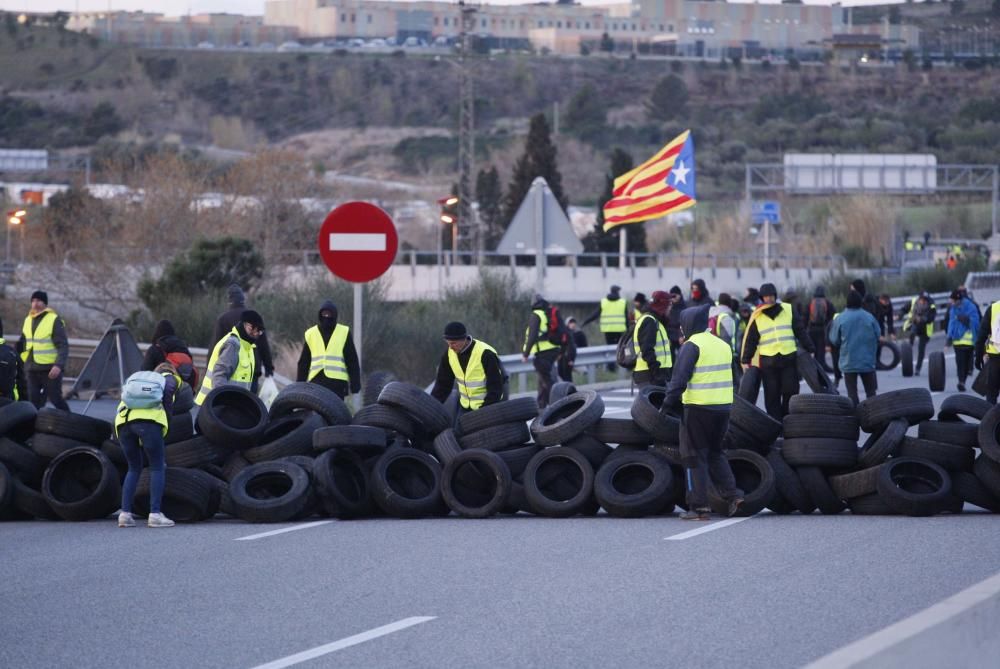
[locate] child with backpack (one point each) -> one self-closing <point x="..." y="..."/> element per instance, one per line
<point x="141" y="424"/>
<point x="168" y="347"/>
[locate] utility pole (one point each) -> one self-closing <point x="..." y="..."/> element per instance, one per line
<point x="466" y="135"/>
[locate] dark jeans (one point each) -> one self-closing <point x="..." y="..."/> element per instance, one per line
<point x="818" y="337"/>
<point x="921" y="347"/>
<point x="565" y="367"/>
<point x="868" y="379"/>
<point x="660" y="377"/>
<point x="41" y="389"/>
<point x="701" y="435"/>
<point x="835" y="355"/>
<point x="963" y="362"/>
<point x="780" y="379"/>
<point x="134" y="437"/>
<point x="544" y="363"/>
<point x="611" y="338"/>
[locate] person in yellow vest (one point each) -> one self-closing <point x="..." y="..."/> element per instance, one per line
<point x="12" y="386"/>
<point x="614" y="317"/>
<point x="329" y="358"/>
<point x="652" y="346"/>
<point x="537" y="344"/>
<point x="963" y="324"/>
<point x="988" y="350"/>
<point x="143" y="430"/>
<point x="919" y="323"/>
<point x="233" y="361"/>
<point x="44" y="350"/>
<point x="702" y="385"/>
<point x="473" y="366"/>
<point x="772" y="332"/>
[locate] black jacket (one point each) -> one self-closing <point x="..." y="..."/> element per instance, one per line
<point x="59" y="338"/>
<point x="753" y="336"/>
<point x="985" y="330"/>
<point x="533" y="325"/>
<point x="157" y="352"/>
<point x="647" y="338"/>
<point x="491" y="365"/>
<point x="350" y="357"/>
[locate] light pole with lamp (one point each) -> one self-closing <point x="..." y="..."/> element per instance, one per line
<point x="15" y="217"/>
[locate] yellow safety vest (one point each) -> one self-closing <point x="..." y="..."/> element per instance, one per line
<point x="156" y="414"/>
<point x="711" y="383"/>
<point x="542" y="342"/>
<point x="39" y="344"/>
<point x="994" y="320"/>
<point x="662" y="347"/>
<point x="613" y="313"/>
<point x="327" y="358"/>
<point x="776" y="335"/>
<point x="909" y="314"/>
<point x="472" y="380"/>
<point x="718" y="328"/>
<point x="965" y="340"/>
<point x="242" y="375"/>
<point x="14" y="394"/>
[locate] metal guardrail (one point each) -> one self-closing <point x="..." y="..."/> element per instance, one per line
<point x="941" y="300"/>
<point x="589" y="358"/>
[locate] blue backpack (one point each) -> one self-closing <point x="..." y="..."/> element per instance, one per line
<point x="143" y="390"/>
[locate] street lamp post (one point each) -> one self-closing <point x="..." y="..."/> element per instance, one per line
<point x="14" y="218"/>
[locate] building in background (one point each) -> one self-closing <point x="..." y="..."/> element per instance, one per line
<point x="156" y="30"/>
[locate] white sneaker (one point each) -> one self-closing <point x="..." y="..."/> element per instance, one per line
<point x="159" y="520"/>
<point x="125" y="519"/>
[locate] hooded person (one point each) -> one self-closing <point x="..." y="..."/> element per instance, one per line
<point x="699" y="294"/>
<point x="537" y="344"/>
<point x="328" y="357"/>
<point x="227" y="319"/>
<point x="614" y="318"/>
<point x="722" y="319"/>
<point x="963" y="325"/>
<point x="855" y="334"/>
<point x="233" y="361"/>
<point x="819" y="315"/>
<point x="652" y="346"/>
<point x="166" y="346"/>
<point x="702" y="387"/>
<point x="473" y="366"/>
<point x="674" y="318"/>
<point x="12" y="381"/>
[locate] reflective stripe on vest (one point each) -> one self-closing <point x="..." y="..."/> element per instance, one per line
<point x="157" y="415"/>
<point x="613" y="314"/>
<point x="39" y="344"/>
<point x="906" y="321"/>
<point x="994" y="321"/>
<point x="242" y="375"/>
<point x="662" y="346"/>
<point x="542" y="342"/>
<point x="711" y="383"/>
<point x="327" y="358"/>
<point x="472" y="380"/>
<point x="776" y="335"/>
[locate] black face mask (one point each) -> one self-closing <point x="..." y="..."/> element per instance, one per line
<point x="327" y="322"/>
<point x="246" y="336"/>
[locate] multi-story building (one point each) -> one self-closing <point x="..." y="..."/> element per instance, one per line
<point x="156" y="30"/>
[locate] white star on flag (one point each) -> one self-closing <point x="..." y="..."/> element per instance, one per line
<point x="680" y="173"/>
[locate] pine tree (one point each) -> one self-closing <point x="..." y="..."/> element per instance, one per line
<point x="587" y="114"/>
<point x="489" y="195"/>
<point x="598" y="241"/>
<point x="538" y="160"/>
<point x="669" y="99"/>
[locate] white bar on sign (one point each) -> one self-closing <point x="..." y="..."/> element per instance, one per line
<point x="357" y="241"/>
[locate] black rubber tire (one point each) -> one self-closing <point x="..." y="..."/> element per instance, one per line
<point x="949" y="432"/>
<point x="420" y="406"/>
<point x="82" y="484"/>
<point x="894" y="356"/>
<point x="285" y="436"/>
<point x="788" y="485"/>
<point x="560" y="390"/>
<point x="750" y="385"/>
<point x="446" y="446"/>
<point x="181" y="428"/>
<point x="31" y="502"/>
<point x="646" y="413"/>
<point x="913" y="404"/>
<point x="814" y="375"/>
<point x="936" y="371"/>
<point x="186" y="496"/>
<point x="948" y="456"/>
<point x="898" y="478"/>
<point x="881" y="445"/>
<point x="594" y="450"/>
<point x="736" y="438"/>
<point x="520" y="409"/>
<point x="754" y="422"/>
<point x="906" y="359"/>
<point x="558" y="482"/>
<point x="17" y="420"/>
<point x="822" y="495"/>
<point x="342" y="483"/>
<point x="497" y="438"/>
<point x="821" y="452"/>
<point x="232" y="416"/>
<point x="364" y="440"/>
<point x="561" y="421"/>
<point x="635" y="485"/>
<point x="988" y="473"/>
<point x="233" y="465"/>
<point x="6" y="493"/>
<point x="374" y="384"/>
<point x="22" y="461"/>
<point x="955" y="406"/>
<point x="406" y="483"/>
<point x="989" y="434"/>
<point x="870" y="505"/>
<point x="48" y="446"/>
<point x="829" y="405"/>
<point x="517" y="459"/>
<point x="855" y="484"/>
<point x="818" y="425"/>
<point x="270" y="492"/>
<point x="492" y="468"/>
<point x="619" y="431"/>
<point x="72" y="425"/>
<point x="312" y="397"/>
<point x="218" y="490"/>
<point x="970" y="489"/>
<point x="388" y="418"/>
<point x="754" y="476"/>
<point x="196" y="452"/>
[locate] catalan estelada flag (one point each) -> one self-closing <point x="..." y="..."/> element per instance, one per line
<point x="661" y="185"/>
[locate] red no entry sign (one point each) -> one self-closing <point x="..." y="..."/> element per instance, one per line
<point x="358" y="242"/>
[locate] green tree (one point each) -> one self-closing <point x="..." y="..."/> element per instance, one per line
<point x="69" y="215"/>
<point x="489" y="195"/>
<point x="538" y="160"/>
<point x="587" y="115"/>
<point x="669" y="99"/>
<point x="598" y="241"/>
<point x="102" y="120"/>
<point x="210" y="264"/>
<point x="607" y="44"/>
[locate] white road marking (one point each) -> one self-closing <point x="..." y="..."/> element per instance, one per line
<point x="347" y="642"/>
<point x="357" y="241"/>
<point x="707" y="528"/>
<point x="293" y="528"/>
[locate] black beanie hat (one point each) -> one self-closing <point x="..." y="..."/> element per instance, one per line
<point x="455" y="330"/>
<point x="253" y="318"/>
<point x="40" y="295"/>
<point x="768" y="289"/>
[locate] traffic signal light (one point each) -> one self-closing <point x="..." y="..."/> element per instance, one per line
<point x="449" y="209"/>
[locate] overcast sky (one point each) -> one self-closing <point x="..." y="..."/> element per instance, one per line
<point x="176" y="7"/>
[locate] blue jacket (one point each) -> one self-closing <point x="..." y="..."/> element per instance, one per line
<point x="956" y="329"/>
<point x="856" y="332"/>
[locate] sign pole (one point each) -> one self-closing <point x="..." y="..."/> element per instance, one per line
<point x="358" y="296"/>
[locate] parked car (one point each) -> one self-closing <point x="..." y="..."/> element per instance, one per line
<point x="205" y="45"/>
<point x="290" y="46"/>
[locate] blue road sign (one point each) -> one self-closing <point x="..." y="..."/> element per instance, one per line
<point x="767" y="211"/>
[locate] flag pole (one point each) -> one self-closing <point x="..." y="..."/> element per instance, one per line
<point x="694" y="220"/>
<point x="622" y="245"/>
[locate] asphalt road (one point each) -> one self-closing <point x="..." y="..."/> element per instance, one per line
<point x="767" y="591"/>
